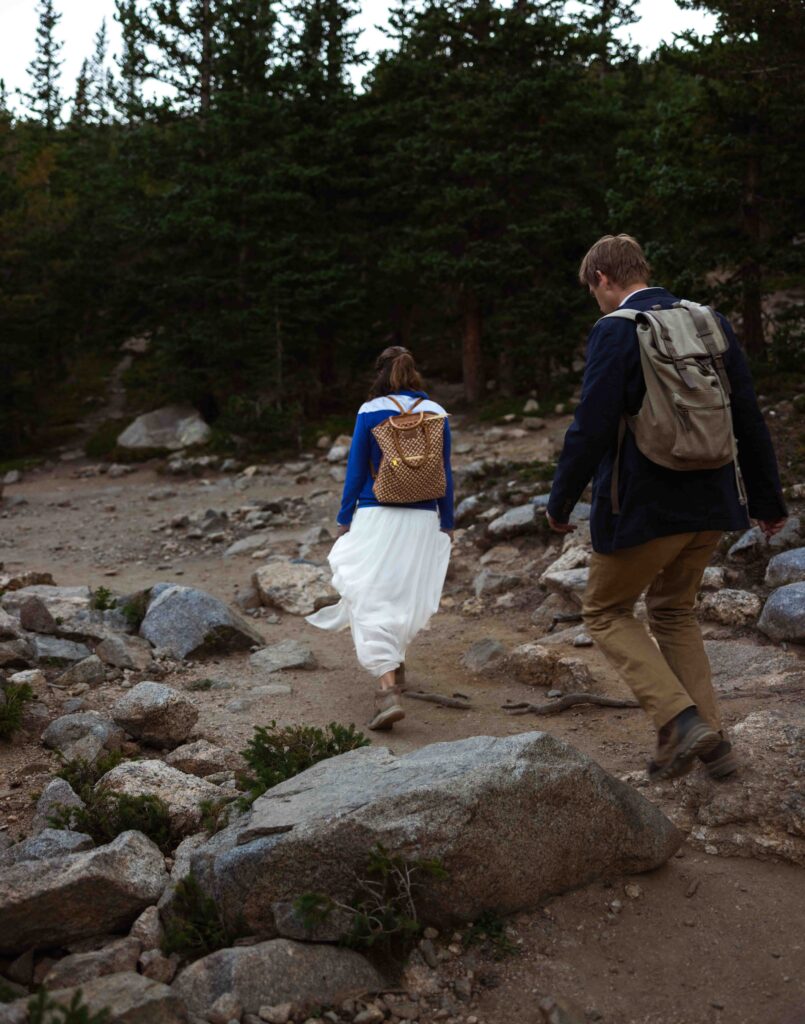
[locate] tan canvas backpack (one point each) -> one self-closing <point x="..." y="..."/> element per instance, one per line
<point x="685" y="421"/>
<point x="412" y="457"/>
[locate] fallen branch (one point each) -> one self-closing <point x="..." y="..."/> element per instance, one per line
<point x="570" y="700"/>
<point x="457" y="701"/>
<point x="565" y="617"/>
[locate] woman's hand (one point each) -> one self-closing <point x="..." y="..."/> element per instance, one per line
<point x="341" y="530"/>
<point x="449" y="533"/>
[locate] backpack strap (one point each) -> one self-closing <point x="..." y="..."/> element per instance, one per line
<point x="391" y="398"/>
<point x="704" y="331"/>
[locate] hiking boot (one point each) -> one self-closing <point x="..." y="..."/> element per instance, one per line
<point x="720" y="761"/>
<point x="387" y="709"/>
<point x="679" y="743"/>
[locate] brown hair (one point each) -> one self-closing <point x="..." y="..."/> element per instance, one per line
<point x="396" y="371"/>
<point x="620" y="257"/>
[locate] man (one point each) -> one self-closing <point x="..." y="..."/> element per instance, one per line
<point x="666" y="523"/>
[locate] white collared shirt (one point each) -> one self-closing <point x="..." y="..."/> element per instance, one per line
<point x="637" y="291"/>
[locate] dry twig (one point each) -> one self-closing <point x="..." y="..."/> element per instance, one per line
<point x="456" y="701"/>
<point x="570" y="700"/>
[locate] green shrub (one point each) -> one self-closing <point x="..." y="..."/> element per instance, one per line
<point x="13" y="698"/>
<point x="103" y="443"/>
<point x="43" y="1010"/>
<point x="383" y="912"/>
<point x="194" y="927"/>
<point x="133" y="610"/>
<point x="214" y="815"/>
<point x="82" y="775"/>
<point x="102" y="599"/>
<point x="275" y="754"/>
<point x="107" y="815"/>
<point x="200" y="684"/>
<point x="490" y="931"/>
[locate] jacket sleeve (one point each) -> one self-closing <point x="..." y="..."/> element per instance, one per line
<point x="446" y="503"/>
<point x="756" y="456"/>
<point x="594" y="429"/>
<point x="357" y="468"/>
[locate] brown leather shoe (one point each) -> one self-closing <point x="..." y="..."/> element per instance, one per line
<point x="388" y="709"/>
<point x="720" y="761"/>
<point x="679" y="743"/>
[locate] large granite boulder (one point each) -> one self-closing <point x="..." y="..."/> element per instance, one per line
<point x="512" y="819"/>
<point x="730" y="607"/>
<point x="171" y="427"/>
<point x="203" y="758"/>
<point x="783" y="616"/>
<point x="58" y="795"/>
<point x="280" y="971"/>
<point x="298" y="588"/>
<point x="156" y="714"/>
<point x="125" y="652"/>
<point x="183" y="621"/>
<point x="181" y="793"/>
<point x="55" y="901"/>
<point x="128" y="997"/>
<point x="787" y="567"/>
<point x="61" y="602"/>
<point x="49" y="843"/>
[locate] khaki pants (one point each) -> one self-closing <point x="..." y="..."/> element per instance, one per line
<point x="670" y="677"/>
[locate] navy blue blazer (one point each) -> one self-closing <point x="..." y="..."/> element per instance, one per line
<point x="655" y="501"/>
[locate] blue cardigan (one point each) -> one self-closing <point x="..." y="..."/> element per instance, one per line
<point x="656" y="501"/>
<point x="358" y="484"/>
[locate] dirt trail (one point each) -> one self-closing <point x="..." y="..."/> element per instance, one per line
<point x="733" y="952"/>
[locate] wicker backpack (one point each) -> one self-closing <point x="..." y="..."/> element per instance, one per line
<point x="412" y="457"/>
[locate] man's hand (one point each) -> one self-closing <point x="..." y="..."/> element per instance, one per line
<point x="560" y="527"/>
<point x="771" y="526"/>
<point x="341" y="530"/>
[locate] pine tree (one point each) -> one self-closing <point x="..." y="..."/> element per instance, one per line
<point x="44" y="99"/>
<point x="132" y="61"/>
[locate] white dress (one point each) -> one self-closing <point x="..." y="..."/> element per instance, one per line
<point x="389" y="570"/>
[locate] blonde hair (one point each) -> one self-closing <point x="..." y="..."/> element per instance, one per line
<point x="620" y="257"/>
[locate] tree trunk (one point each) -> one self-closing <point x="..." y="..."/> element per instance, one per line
<point x="471" y="362"/>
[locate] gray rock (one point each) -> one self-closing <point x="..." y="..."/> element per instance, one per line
<point x="35" y="617"/>
<point x="225" y="1009"/>
<point x="50" y="842"/>
<point x="483" y="655"/>
<point x="89" y="672"/>
<point x="57" y="794"/>
<point x="570" y="583"/>
<point x="514" y="523"/>
<point x="714" y="578"/>
<point x="284" y="655"/>
<point x="582" y="640"/>
<point x="17" y="653"/>
<point x="183" y="621"/>
<point x="9" y="627"/>
<point x="764" y="815"/>
<point x="147" y="929"/>
<point x="181" y="793"/>
<point x="276" y="972"/>
<point x="290" y="925"/>
<point x="156" y="714"/>
<point x="79" y="968"/>
<point x="787" y="567"/>
<point x="172" y="427"/>
<point x="61" y="602"/>
<point x="154" y="964"/>
<point x="298" y="588"/>
<point x="247" y="545"/>
<point x="53" y="651"/>
<point x="489" y="582"/>
<point x="129" y="998"/>
<point x="783" y="616"/>
<point x="731" y="607"/>
<point x="125" y="652"/>
<point x="480" y="805"/>
<point x="467" y="509"/>
<point x="53" y="902"/>
<point x="753" y="544"/>
<point x="747" y="666"/>
<point x="203" y="758"/>
<point x="538" y="665"/>
<point x="84" y="734"/>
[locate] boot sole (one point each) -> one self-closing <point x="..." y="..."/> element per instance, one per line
<point x="700" y="739"/>
<point x="724" y="766"/>
<point x="386" y="719"/>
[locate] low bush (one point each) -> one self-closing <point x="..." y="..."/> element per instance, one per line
<point x="43" y="1010"/>
<point x="107" y="815"/>
<point x="489" y="931"/>
<point x="275" y="754"/>
<point x="194" y="927"/>
<point x="102" y="599"/>
<point x="13" y="698"/>
<point x="383" y="911"/>
<point x="82" y="775"/>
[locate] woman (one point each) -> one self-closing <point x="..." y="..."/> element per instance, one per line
<point x="389" y="561"/>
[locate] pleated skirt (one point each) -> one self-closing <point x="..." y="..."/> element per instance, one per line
<point x="389" y="570"/>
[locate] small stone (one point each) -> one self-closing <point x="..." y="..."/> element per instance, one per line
<point x="225" y="1008"/>
<point x="633" y="891"/>
<point x="583" y="640"/>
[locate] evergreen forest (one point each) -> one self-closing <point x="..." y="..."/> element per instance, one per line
<point x="271" y="206"/>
